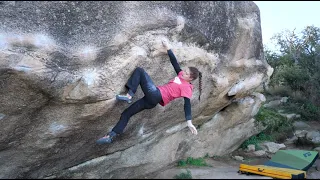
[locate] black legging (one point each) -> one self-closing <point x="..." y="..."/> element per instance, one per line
<point x="152" y="97"/>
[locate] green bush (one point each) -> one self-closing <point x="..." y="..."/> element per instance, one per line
<point x="273" y="120"/>
<point x="294" y="76"/>
<point x="183" y="175"/>
<point x="279" y="91"/>
<point x="192" y="161"/>
<point x="277" y="127"/>
<point x="297" y="97"/>
<point x="255" y="140"/>
<point x="182" y="163"/>
<point x="307" y="110"/>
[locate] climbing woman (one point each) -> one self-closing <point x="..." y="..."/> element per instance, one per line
<point x="178" y="87"/>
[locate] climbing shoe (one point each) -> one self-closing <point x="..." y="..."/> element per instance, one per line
<point x="107" y="138"/>
<point x="123" y="98"/>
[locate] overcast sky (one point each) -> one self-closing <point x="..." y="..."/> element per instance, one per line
<point x="277" y="16"/>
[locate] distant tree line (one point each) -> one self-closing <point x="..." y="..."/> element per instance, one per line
<point x="297" y="70"/>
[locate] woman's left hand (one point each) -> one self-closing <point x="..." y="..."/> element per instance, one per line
<point x="165" y="44"/>
<point x="192" y="128"/>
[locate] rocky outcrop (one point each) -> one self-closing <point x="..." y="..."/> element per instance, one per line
<point x="304" y="134"/>
<point x="63" y="62"/>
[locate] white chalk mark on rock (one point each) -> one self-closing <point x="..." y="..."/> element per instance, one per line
<point x="56" y="128"/>
<point x="90" y="76"/>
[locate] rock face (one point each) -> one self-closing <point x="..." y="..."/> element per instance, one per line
<point x="62" y="63"/>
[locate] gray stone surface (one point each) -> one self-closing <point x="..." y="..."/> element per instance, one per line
<point x="259" y="153"/>
<point x="272" y="147"/>
<point x="251" y="148"/>
<point x="314" y="175"/>
<point x="63" y="62"/>
<point x="300" y="125"/>
<point x="314" y="136"/>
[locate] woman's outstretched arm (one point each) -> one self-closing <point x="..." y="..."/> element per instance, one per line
<point x="187" y="112"/>
<point x="173" y="59"/>
<point x="187" y="108"/>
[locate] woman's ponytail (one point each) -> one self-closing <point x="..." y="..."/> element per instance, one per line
<point x="195" y="73"/>
<point x="200" y="84"/>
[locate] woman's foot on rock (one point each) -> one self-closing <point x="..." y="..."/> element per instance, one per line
<point x="123" y="98"/>
<point x="107" y="138"/>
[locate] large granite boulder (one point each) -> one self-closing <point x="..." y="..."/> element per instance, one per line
<point x="63" y="62"/>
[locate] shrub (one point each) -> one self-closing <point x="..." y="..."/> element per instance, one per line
<point x="310" y="111"/>
<point x="279" y="91"/>
<point x="305" y="108"/>
<point x="182" y="163"/>
<point x="183" y="175"/>
<point x="255" y="140"/>
<point x="192" y="161"/>
<point x="295" y="77"/>
<point x="277" y="127"/>
<point x="273" y="120"/>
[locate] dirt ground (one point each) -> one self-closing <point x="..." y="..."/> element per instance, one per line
<point x="224" y="168"/>
<point x="219" y="168"/>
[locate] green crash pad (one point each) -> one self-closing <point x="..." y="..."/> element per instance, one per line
<point x="293" y="159"/>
